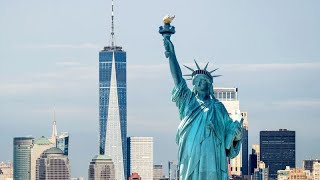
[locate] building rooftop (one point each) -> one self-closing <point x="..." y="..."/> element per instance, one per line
<point x="101" y="157"/>
<point x="53" y="150"/>
<point x="42" y="141"/>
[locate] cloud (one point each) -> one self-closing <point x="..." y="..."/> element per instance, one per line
<point x="306" y="103"/>
<point x="64" y="46"/>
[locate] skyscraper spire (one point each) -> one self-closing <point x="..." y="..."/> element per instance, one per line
<point x="54" y="135"/>
<point x="54" y="125"/>
<point x="112" y="26"/>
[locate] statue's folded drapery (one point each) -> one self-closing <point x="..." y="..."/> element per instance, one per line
<point x="206" y="136"/>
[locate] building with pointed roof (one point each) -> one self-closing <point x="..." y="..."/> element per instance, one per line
<point x="113" y="104"/>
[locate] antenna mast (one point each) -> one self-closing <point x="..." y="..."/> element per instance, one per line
<point x="112" y="27"/>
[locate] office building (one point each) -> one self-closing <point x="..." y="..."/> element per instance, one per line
<point x="6" y="171"/>
<point x="229" y="98"/>
<point x="157" y="172"/>
<point x="63" y="143"/>
<point x="53" y="164"/>
<point x="173" y="170"/>
<point x="277" y="150"/>
<point x="22" y="157"/>
<point x="39" y="146"/>
<point x="113" y="105"/>
<point x="244" y="145"/>
<point x="141" y="156"/>
<point x="101" y="168"/>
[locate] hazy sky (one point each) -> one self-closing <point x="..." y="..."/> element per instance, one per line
<point x="49" y="50"/>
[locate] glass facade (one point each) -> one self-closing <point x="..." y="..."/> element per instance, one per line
<point x="278" y="150"/>
<point x="22" y="157"/>
<point x="63" y="143"/>
<point x="113" y="107"/>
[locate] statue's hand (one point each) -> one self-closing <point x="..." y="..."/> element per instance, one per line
<point x="168" y="46"/>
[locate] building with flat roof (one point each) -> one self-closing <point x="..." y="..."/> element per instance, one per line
<point x="141" y="156"/>
<point x="22" y="157"/>
<point x="278" y="150"/>
<point x="6" y="171"/>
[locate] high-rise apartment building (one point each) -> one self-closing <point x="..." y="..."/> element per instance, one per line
<point x="141" y="156"/>
<point x="39" y="146"/>
<point x="6" y="171"/>
<point x="113" y="105"/>
<point x="101" y="168"/>
<point x="22" y="157"/>
<point x="229" y="98"/>
<point x="277" y="150"/>
<point x="53" y="164"/>
<point x="157" y="171"/>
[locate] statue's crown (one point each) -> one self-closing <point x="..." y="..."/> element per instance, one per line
<point x="201" y="71"/>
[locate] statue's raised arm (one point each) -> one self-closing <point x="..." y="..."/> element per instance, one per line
<point x="167" y="30"/>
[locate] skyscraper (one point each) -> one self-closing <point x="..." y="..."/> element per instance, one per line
<point x="22" y="157"/>
<point x="254" y="158"/>
<point x="245" y="164"/>
<point x="113" y="105"/>
<point x="101" y="168"/>
<point x="141" y="156"/>
<point x="39" y="146"/>
<point x="53" y="164"/>
<point x="229" y="98"/>
<point x="278" y="150"/>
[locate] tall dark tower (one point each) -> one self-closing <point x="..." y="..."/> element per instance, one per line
<point x="113" y="104"/>
<point x="245" y="164"/>
<point x="278" y="150"/>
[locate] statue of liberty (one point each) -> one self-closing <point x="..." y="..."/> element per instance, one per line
<point x="206" y="136"/>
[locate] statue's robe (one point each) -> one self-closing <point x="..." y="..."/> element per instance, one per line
<point x="205" y="136"/>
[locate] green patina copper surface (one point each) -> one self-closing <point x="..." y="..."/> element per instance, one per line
<point x="206" y="136"/>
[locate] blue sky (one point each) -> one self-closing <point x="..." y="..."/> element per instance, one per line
<point x="270" y="50"/>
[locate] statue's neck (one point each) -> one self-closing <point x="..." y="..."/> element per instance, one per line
<point x="203" y="96"/>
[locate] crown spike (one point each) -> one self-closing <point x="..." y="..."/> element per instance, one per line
<point x="188" y="68"/>
<point x="197" y="64"/>
<point x="216" y="75"/>
<point x="213" y="70"/>
<point x="205" y="68"/>
<point x="187" y="75"/>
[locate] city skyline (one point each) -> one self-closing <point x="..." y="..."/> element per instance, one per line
<point x="49" y="59"/>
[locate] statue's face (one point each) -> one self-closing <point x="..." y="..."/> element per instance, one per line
<point x="201" y="85"/>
